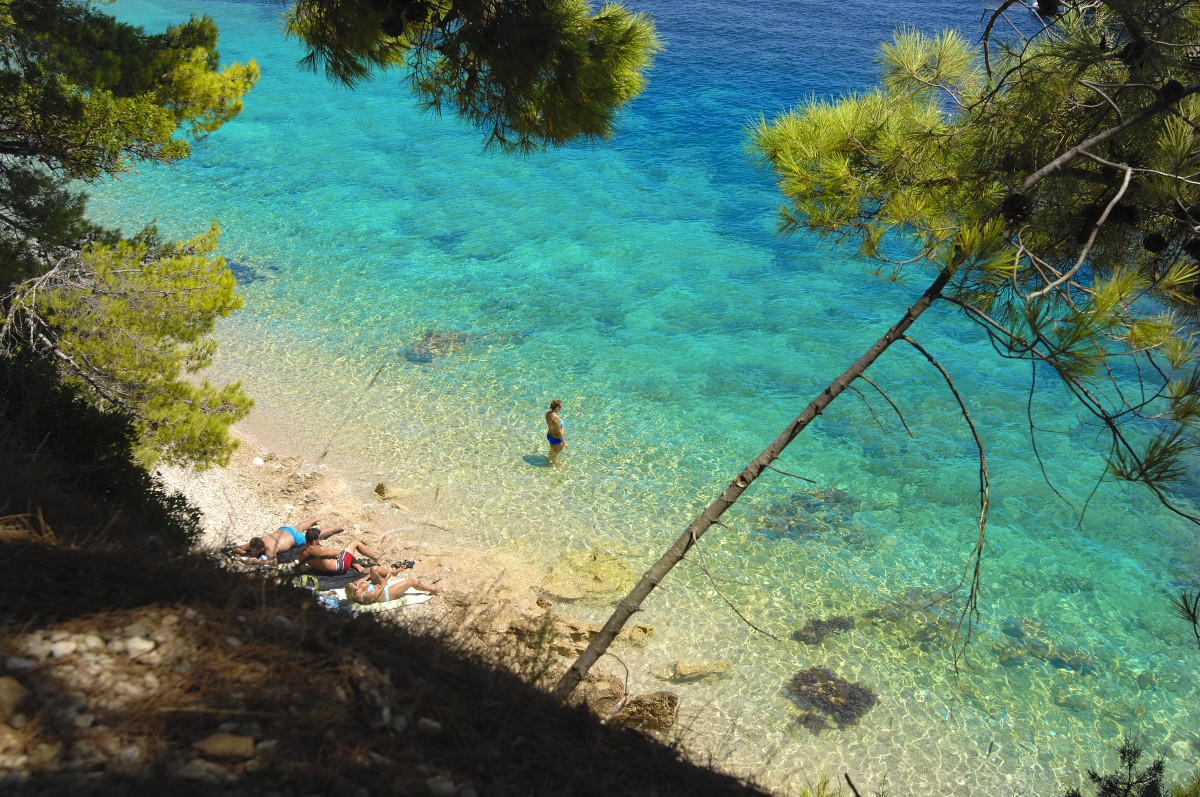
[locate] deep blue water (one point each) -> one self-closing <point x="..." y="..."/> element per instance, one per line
<point x="644" y="283"/>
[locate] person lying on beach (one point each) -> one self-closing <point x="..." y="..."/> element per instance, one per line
<point x="373" y="588"/>
<point x="324" y="561"/>
<point x="285" y="538"/>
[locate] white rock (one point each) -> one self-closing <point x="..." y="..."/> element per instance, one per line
<point x="441" y="786"/>
<point x="85" y="720"/>
<point x="93" y="642"/>
<point x="64" y="647"/>
<point x="37" y="647"/>
<point x="58" y="636"/>
<point x="126" y="689"/>
<point x="225" y="747"/>
<point x="17" y="664"/>
<point x="135" y="629"/>
<point x="116" y="646"/>
<point x="138" y="645"/>
<point x="257" y="461"/>
<point x="234" y="642"/>
<point x="12" y="693"/>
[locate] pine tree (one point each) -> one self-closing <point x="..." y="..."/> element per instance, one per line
<point x="1048" y="185"/>
<point x="529" y="73"/>
<point x="83" y="96"/>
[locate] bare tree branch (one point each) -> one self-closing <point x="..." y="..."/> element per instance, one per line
<point x="703" y="565"/>
<point x="899" y="414"/>
<point x="970" y="611"/>
<point x="793" y="475"/>
<point x="1033" y="435"/>
<point x="1087" y="246"/>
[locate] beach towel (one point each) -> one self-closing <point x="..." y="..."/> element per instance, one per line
<point x="411" y="597"/>
<point x="323" y="582"/>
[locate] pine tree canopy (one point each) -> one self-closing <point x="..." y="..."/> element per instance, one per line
<point x="529" y="73"/>
<point x="83" y="96"/>
<point x="1053" y="174"/>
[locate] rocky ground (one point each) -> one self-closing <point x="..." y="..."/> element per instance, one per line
<point x="130" y="670"/>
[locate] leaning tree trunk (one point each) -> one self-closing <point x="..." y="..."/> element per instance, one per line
<point x="673" y="555"/>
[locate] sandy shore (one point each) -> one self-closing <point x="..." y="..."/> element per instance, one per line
<point x="264" y="488"/>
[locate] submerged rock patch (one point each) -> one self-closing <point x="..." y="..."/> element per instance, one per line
<point x="828" y="699"/>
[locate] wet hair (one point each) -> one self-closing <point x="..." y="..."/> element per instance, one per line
<point x="555" y="404"/>
<point x="312" y="535"/>
<point x="256" y="544"/>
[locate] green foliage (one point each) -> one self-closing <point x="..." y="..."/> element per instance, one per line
<point x="1189" y="789"/>
<point x="530" y="73"/>
<point x="139" y="313"/>
<point x="126" y="322"/>
<point x="1054" y="178"/>
<point x="1126" y="780"/>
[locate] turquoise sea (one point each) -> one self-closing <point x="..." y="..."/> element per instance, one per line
<point x="643" y="282"/>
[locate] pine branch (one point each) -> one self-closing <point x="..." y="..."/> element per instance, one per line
<point x="974" y="566"/>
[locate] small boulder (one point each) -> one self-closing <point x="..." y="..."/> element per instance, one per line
<point x="652" y="711"/>
<point x="600" y="693"/>
<point x="441" y="786"/>
<point x="135" y="630"/>
<point x="635" y="634"/>
<point x="45" y="755"/>
<point x="427" y="725"/>
<point x="138" y="645"/>
<point x="682" y="672"/>
<point x="10" y="741"/>
<point x="63" y="648"/>
<point x="12" y="694"/>
<point x="825" y="696"/>
<point x="225" y="747"/>
<point x="814" y="632"/>
<point x="387" y="492"/>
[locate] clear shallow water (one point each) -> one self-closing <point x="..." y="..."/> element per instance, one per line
<point x="642" y="282"/>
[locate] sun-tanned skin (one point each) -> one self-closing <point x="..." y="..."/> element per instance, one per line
<point x="322" y="560"/>
<point x="278" y="541"/>
<point x="376" y="577"/>
<point x="554" y="431"/>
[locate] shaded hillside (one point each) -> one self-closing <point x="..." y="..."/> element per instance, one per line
<point x="121" y="651"/>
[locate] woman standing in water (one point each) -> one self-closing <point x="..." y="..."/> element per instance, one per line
<point x="554" y="431"/>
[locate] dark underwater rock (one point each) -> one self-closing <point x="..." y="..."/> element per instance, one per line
<point x="815" y="632"/>
<point x="809" y="512"/>
<point x="826" y="698"/>
<point x="433" y="345"/>
<point x="1027" y="639"/>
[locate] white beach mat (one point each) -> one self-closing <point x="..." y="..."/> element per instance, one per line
<point x="411" y="597"/>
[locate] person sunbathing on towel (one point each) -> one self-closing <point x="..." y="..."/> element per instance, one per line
<point x="324" y="561"/>
<point x="285" y="538"/>
<point x="373" y="588"/>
